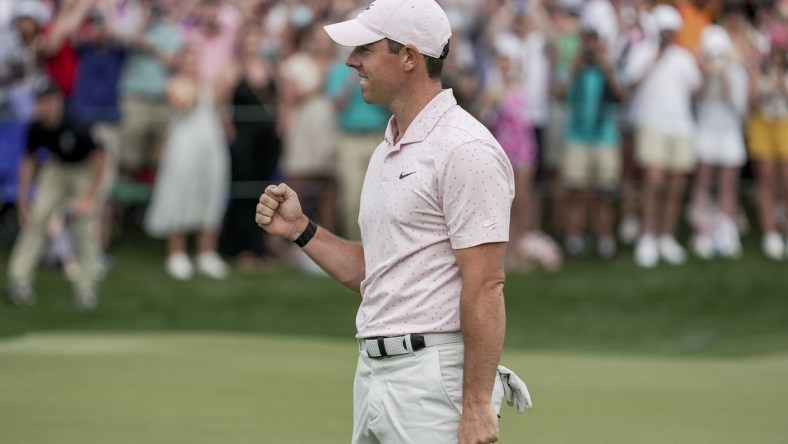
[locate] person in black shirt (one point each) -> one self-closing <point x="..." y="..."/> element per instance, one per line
<point x="72" y="167"/>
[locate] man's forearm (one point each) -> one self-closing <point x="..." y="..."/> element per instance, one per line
<point x="340" y="258"/>
<point x="483" y="322"/>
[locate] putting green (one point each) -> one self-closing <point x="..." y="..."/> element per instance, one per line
<point x="211" y="388"/>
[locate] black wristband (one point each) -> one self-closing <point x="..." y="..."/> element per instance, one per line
<point x="307" y="235"/>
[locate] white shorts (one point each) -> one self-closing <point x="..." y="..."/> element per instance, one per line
<point x="720" y="148"/>
<point x="413" y="398"/>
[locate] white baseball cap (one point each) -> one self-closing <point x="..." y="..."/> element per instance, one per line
<point x="32" y="9"/>
<point x="715" y="41"/>
<point x="508" y="45"/>
<point x="667" y="18"/>
<point x="421" y="23"/>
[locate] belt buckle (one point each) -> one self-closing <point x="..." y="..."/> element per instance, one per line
<point x="417" y="342"/>
<point x="412" y="343"/>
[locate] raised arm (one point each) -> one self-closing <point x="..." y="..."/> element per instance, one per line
<point x="66" y="24"/>
<point x="279" y="213"/>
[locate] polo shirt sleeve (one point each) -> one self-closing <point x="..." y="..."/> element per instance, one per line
<point x="477" y="188"/>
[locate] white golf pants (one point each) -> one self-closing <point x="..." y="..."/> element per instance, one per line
<point x="413" y="398"/>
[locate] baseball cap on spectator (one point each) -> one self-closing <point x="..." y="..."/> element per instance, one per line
<point x="570" y="6"/>
<point x="715" y="41"/>
<point x="589" y="25"/>
<point x="507" y="45"/>
<point x="421" y="23"/>
<point x="667" y="18"/>
<point x="32" y="9"/>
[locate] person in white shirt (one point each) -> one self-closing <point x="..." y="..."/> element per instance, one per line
<point x="719" y="147"/>
<point x="664" y="78"/>
<point x="434" y="220"/>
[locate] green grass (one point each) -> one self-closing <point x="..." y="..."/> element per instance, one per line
<point x="612" y="354"/>
<point x="704" y="308"/>
<point x="218" y="387"/>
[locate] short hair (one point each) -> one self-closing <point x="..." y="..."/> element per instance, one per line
<point x="434" y="65"/>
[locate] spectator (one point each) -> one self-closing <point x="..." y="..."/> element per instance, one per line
<point x="95" y="99"/>
<point x="192" y="182"/>
<point x="72" y="176"/>
<point x="254" y="151"/>
<point x="664" y="78"/>
<point x="309" y="124"/>
<point x="591" y="162"/>
<point x="719" y="147"/>
<point x="154" y="40"/>
<point x="18" y="72"/>
<point x="562" y="46"/>
<point x="361" y="127"/>
<point x="531" y="26"/>
<point x="768" y="143"/>
<point x="504" y="102"/>
<point x="637" y="28"/>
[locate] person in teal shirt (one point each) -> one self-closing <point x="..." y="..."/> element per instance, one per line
<point x="361" y="128"/>
<point x="591" y="163"/>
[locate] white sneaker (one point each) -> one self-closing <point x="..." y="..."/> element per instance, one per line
<point x="211" y="265"/>
<point x="726" y="238"/>
<point x="772" y="246"/>
<point x="629" y="230"/>
<point x="671" y="251"/>
<point x="179" y="266"/>
<point x="646" y="252"/>
<point x="703" y="246"/>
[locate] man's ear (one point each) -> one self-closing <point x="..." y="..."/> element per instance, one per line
<point x="410" y="57"/>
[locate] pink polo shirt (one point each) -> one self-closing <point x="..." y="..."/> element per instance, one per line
<point x="446" y="185"/>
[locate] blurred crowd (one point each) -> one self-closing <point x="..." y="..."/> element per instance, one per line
<point x="622" y="118"/>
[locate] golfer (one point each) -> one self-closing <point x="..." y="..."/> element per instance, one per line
<point x="434" y="221"/>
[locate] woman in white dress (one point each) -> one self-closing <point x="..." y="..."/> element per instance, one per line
<point x="193" y="178"/>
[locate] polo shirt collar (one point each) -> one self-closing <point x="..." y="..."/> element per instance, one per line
<point x="424" y="122"/>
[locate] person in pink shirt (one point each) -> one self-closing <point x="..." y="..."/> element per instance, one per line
<point x="215" y="37"/>
<point x="434" y="219"/>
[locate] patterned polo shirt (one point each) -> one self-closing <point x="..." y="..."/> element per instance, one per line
<point x="446" y="185"/>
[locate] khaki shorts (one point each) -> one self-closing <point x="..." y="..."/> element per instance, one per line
<point x="658" y="149"/>
<point x="143" y="132"/>
<point x="591" y="166"/>
<point x="411" y="399"/>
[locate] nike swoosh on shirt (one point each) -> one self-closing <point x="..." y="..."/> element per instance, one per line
<point x="402" y="175"/>
<point x="489" y="224"/>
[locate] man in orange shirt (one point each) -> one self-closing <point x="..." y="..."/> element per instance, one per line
<point x="696" y="14"/>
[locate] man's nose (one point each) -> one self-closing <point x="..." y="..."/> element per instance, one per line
<point x="352" y="59"/>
